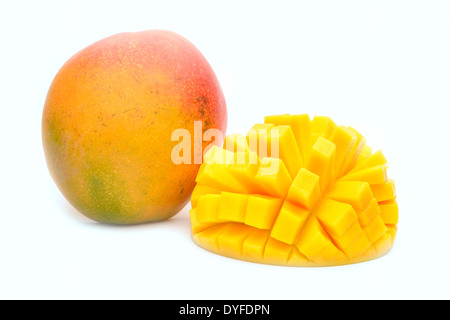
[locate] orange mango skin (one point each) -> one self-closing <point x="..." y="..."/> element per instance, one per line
<point x="108" y="121"/>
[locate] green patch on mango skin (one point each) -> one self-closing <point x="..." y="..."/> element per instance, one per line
<point x="52" y="140"/>
<point x="53" y="143"/>
<point x="97" y="189"/>
<point x="54" y="134"/>
<point x="103" y="198"/>
<point x="106" y="199"/>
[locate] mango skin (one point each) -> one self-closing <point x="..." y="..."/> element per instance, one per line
<point x="108" y="120"/>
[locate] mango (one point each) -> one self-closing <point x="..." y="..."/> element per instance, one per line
<point x="108" y="122"/>
<point x="322" y="199"/>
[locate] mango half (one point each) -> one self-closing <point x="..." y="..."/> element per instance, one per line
<point x="295" y="192"/>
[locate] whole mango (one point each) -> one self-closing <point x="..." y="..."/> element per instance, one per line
<point x="108" y="122"/>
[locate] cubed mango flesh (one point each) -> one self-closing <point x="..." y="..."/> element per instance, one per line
<point x="295" y="192"/>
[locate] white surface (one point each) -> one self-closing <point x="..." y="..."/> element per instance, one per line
<point x="382" y="67"/>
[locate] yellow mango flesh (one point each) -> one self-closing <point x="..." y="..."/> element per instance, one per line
<point x="318" y="198"/>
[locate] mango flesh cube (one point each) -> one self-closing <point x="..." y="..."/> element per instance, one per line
<point x="218" y="155"/>
<point x="383" y="244"/>
<point x="232" y="206"/>
<point x="344" y="241"/>
<point x="289" y="223"/>
<point x="282" y="141"/>
<point x="366" y="152"/>
<point x="385" y="191"/>
<point x="254" y="245"/>
<point x="366" y="216"/>
<point x="322" y="200"/>
<point x="373" y="175"/>
<point x="358" y="247"/>
<point x="336" y="217"/>
<point x="321" y="127"/>
<point x="305" y="189"/>
<point x="331" y="253"/>
<point x="276" y="252"/>
<point x="244" y="169"/>
<point x="352" y="158"/>
<point x="273" y="177"/>
<point x="200" y="190"/>
<point x="236" y="143"/>
<point x="392" y="230"/>
<point x="231" y="240"/>
<point x="298" y="259"/>
<point x="315" y="243"/>
<point x="207" y="238"/>
<point x="257" y="139"/>
<point x="321" y="161"/>
<point x="197" y="226"/>
<point x="301" y="127"/>
<point x="389" y="212"/>
<point x="262" y="211"/>
<point x="344" y="139"/>
<point x="246" y="163"/>
<point x="219" y="177"/>
<point x="313" y="240"/>
<point x="375" y="229"/>
<point x="372" y="160"/>
<point x="369" y="254"/>
<point x="208" y="208"/>
<point x="356" y="193"/>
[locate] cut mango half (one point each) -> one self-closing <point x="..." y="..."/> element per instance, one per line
<point x="295" y="192"/>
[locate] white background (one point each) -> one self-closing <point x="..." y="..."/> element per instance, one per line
<point x="382" y="67"/>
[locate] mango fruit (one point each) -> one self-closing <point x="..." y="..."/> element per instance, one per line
<point x="108" y="120"/>
<point x="318" y="196"/>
